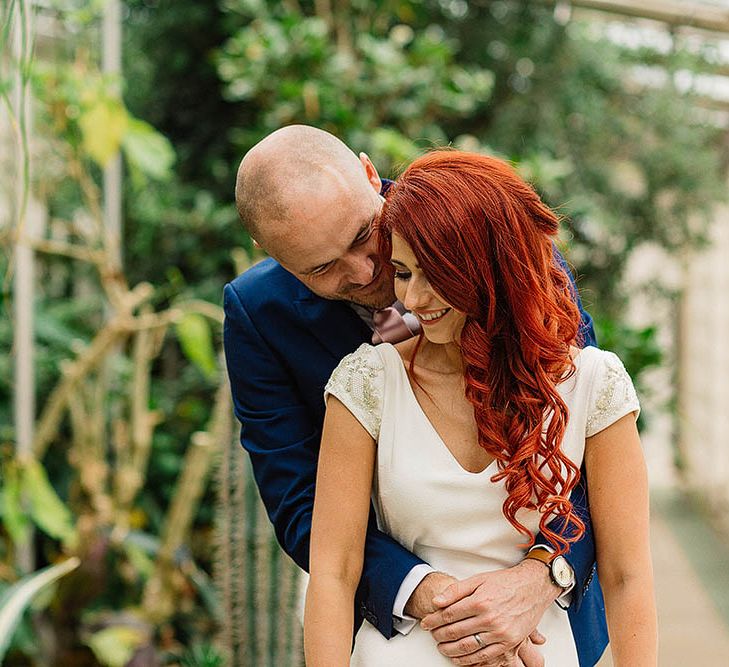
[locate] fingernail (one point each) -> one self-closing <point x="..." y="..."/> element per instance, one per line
<point x="439" y="599"/>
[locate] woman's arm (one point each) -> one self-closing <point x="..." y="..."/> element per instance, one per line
<point x="339" y="526"/>
<point x="618" y="483"/>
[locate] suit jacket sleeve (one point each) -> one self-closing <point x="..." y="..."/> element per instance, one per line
<point x="282" y="439"/>
<point x="581" y="555"/>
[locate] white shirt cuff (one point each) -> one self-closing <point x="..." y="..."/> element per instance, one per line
<point x="565" y="599"/>
<point x="400" y="620"/>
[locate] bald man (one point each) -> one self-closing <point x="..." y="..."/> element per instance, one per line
<point x="310" y="202"/>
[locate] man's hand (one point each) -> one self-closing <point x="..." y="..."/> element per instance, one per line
<point x="420" y="603"/>
<point x="503" y="607"/>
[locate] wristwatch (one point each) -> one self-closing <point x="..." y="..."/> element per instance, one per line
<point x="560" y="571"/>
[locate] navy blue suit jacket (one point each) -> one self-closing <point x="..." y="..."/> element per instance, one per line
<point x="282" y="343"/>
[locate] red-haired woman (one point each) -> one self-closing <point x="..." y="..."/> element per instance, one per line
<point x="470" y="438"/>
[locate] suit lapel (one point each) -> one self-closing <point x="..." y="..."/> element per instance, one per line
<point x="337" y="327"/>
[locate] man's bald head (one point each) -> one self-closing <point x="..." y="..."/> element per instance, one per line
<point x="284" y="171"/>
<point x="312" y="204"/>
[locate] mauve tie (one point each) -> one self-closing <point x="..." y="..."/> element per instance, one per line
<point x="390" y="327"/>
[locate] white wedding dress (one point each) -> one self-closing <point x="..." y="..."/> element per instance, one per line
<point x="449" y="517"/>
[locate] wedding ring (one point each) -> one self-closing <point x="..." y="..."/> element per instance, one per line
<point x="479" y="641"/>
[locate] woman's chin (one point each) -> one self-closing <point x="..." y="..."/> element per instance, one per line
<point x="439" y="337"/>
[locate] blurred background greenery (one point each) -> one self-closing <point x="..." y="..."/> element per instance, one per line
<point x="134" y="457"/>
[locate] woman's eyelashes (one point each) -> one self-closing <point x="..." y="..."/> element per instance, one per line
<point x="401" y="274"/>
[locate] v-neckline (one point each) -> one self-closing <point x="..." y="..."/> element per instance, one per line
<point x="430" y="424"/>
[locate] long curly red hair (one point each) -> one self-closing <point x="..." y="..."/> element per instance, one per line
<point x="483" y="238"/>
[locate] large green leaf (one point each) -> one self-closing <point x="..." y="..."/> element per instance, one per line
<point x="149" y="153"/>
<point x="16" y="599"/>
<point x="196" y="340"/>
<point x="11" y="511"/>
<point x="103" y="125"/>
<point x="46" y="509"/>
<point x="115" y="646"/>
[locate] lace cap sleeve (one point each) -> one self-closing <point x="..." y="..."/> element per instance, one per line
<point x="358" y="382"/>
<point x="613" y="394"/>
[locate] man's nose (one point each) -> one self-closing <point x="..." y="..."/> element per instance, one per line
<point x="362" y="269"/>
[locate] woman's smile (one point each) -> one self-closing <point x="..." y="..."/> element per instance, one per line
<point x="427" y="317"/>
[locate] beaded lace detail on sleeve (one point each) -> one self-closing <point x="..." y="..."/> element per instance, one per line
<point x="613" y="395"/>
<point x="358" y="382"/>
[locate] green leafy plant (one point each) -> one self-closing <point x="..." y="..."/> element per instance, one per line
<point x="16" y="599"/>
<point x="202" y="654"/>
<point x="95" y="430"/>
<point x="28" y="497"/>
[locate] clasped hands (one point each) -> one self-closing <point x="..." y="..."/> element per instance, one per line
<point x="503" y="607"/>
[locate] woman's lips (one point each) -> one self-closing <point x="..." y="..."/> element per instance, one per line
<point x="432" y="316"/>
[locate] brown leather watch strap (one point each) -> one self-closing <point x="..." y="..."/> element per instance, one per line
<point x="542" y="555"/>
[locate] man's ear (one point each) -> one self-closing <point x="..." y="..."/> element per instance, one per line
<point x="372" y="176"/>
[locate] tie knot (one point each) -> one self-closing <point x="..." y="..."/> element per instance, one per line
<point x="390" y="326"/>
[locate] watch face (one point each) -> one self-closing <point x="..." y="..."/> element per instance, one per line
<point x="562" y="572"/>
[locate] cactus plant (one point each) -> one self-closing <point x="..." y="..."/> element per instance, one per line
<point x="259" y="585"/>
